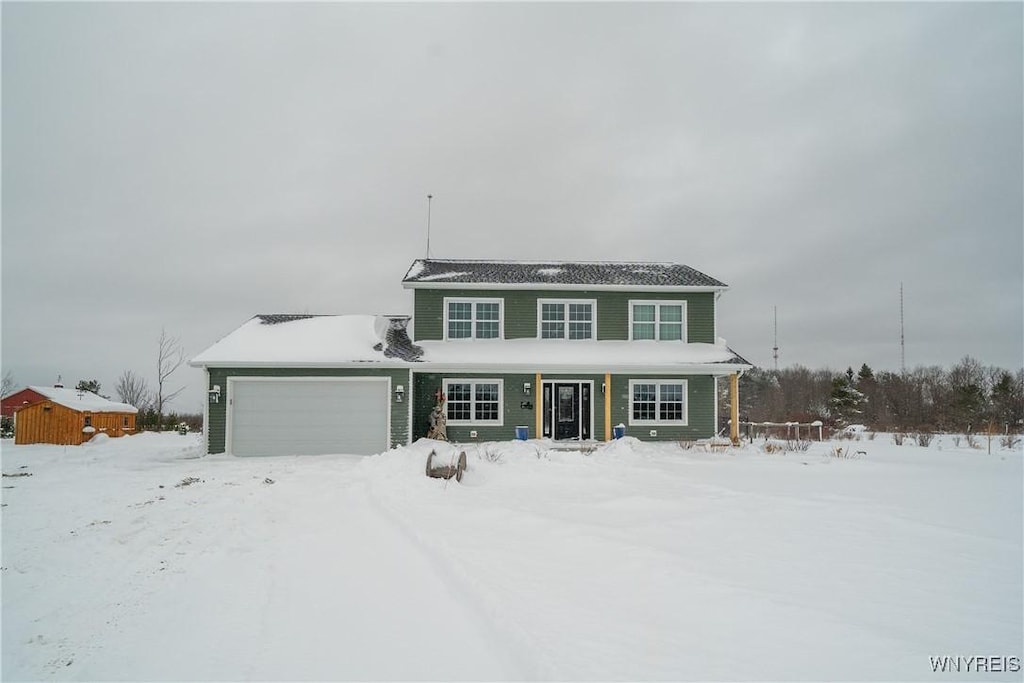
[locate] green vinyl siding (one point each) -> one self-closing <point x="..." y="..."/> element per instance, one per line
<point x="700" y="398"/>
<point x="217" y="417"/>
<point x="700" y="406"/>
<point x="521" y="310"/>
<point x="425" y="386"/>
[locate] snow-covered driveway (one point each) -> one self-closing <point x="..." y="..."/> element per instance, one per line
<point x="134" y="559"/>
<point x="108" y="576"/>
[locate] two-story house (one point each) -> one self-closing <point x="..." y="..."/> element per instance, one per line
<point x="567" y="350"/>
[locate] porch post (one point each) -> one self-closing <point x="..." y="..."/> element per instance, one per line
<point x="734" y="408"/>
<point x="607" y="406"/>
<point x="538" y="403"/>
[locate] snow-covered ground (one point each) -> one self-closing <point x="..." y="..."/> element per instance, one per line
<point x="137" y="559"/>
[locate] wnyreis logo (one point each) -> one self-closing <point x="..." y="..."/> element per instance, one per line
<point x="975" y="665"/>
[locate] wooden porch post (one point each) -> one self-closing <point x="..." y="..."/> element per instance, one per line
<point x="734" y="408"/>
<point x="607" y="406"/>
<point x="538" y="402"/>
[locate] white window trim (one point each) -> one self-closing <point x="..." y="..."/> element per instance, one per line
<point x="657" y="403"/>
<point x="657" y="317"/>
<point x="474" y="301"/>
<point x="473" y="381"/>
<point x="565" y="303"/>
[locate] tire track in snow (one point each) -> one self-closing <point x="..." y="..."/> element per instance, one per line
<point x="525" y="648"/>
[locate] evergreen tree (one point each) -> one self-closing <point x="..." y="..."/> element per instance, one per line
<point x="846" y="401"/>
<point x="91" y="386"/>
<point x="865" y="374"/>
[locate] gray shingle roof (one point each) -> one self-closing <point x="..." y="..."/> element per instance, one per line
<point x="425" y="271"/>
<point x="278" y="318"/>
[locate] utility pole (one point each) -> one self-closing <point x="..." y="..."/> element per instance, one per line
<point x="902" y="341"/>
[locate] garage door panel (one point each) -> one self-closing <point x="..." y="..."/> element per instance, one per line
<point x="309" y="417"/>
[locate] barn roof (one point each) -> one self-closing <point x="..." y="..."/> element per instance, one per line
<point x="603" y="274"/>
<point x="83" y="401"/>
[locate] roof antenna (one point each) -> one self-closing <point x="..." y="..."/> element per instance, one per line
<point x="430" y="198"/>
<point x="775" y="349"/>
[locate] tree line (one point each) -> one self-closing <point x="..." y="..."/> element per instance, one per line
<point x="967" y="398"/>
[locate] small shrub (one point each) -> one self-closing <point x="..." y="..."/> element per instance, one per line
<point x="187" y="481"/>
<point x="972" y="442"/>
<point x="956" y="440"/>
<point x="871" y="436"/>
<point x="898" y="437"/>
<point x="491" y="453"/>
<point x="845" y="453"/>
<point x="687" y="445"/>
<point x="1010" y="441"/>
<point x="788" y="446"/>
<point x="923" y="438"/>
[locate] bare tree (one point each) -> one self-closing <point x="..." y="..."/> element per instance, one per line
<point x="170" y="357"/>
<point x="8" y="383"/>
<point x="133" y="390"/>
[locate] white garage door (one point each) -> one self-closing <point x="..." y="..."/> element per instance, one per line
<point x="308" y="417"/>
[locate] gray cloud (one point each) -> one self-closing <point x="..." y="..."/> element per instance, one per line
<point x="188" y="165"/>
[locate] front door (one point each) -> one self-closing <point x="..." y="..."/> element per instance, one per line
<point x="567" y="410"/>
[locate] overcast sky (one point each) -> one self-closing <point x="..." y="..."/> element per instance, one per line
<point x="190" y="165"/>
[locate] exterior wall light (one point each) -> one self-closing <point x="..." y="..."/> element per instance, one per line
<point x="215" y="394"/>
<point x="526" y="388"/>
<point x="399" y="393"/>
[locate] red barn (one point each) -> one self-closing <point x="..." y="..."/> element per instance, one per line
<point x="24" y="397"/>
<point x="71" y="417"/>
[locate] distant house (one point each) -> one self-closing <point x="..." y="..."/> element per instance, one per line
<point x="562" y="350"/>
<point x="22" y="397"/>
<point x="70" y="417"/>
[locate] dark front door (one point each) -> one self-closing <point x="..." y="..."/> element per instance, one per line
<point x="567" y="411"/>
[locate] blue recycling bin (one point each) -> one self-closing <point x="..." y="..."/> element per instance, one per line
<point x="522" y="433"/>
<point x="618" y="431"/>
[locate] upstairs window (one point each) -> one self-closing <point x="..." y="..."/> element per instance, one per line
<point x="566" y="319"/>
<point x="660" y="320"/>
<point x="473" y="318"/>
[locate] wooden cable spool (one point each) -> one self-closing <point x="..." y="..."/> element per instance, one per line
<point x="438" y="470"/>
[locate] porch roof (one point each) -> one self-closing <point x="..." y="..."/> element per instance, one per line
<point x="360" y="340"/>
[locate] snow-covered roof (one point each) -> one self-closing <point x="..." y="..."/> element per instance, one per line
<point x="432" y="272"/>
<point x="300" y="340"/>
<point x="83" y="401"/>
<point x="345" y="340"/>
